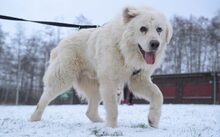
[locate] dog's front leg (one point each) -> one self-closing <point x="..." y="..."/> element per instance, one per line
<point x="109" y="96"/>
<point x="156" y="101"/>
<point x="143" y="87"/>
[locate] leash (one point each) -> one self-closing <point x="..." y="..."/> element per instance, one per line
<point x="58" y="24"/>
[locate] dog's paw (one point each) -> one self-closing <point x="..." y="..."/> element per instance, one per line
<point x="94" y="118"/>
<point x="35" y="117"/>
<point x="152" y="123"/>
<point x="111" y="124"/>
<point x="154" y="117"/>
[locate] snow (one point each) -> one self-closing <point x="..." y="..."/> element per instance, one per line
<point x="70" y="121"/>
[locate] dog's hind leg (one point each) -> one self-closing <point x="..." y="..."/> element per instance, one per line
<point x="92" y="111"/>
<point x="89" y="88"/>
<point x="57" y="79"/>
<point x="45" y="99"/>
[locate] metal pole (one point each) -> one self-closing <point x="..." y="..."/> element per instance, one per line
<point x="214" y="87"/>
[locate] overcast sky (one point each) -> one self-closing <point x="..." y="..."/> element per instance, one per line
<point x="97" y="11"/>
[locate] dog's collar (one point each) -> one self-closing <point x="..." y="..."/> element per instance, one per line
<point x="136" y="72"/>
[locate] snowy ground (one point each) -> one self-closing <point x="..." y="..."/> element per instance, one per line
<point x="70" y="121"/>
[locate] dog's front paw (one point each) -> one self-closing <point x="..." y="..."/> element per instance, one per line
<point x="112" y="124"/>
<point x="153" y="123"/>
<point x="154" y="118"/>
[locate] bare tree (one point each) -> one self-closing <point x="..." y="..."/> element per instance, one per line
<point x="18" y="42"/>
<point x="215" y="41"/>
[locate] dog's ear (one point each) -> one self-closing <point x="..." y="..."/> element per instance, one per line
<point x="169" y="32"/>
<point x="129" y="13"/>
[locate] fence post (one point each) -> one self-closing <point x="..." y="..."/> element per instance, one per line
<point x="214" y="87"/>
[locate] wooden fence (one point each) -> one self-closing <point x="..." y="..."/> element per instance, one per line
<point x="195" y="88"/>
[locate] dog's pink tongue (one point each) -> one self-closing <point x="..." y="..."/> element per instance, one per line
<point x="149" y="57"/>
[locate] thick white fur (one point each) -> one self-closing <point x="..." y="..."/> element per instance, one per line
<point x="98" y="62"/>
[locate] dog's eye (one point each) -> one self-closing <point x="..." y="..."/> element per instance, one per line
<point x="143" y="29"/>
<point x="159" y="29"/>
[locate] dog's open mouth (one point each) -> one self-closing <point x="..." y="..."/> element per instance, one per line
<point x="149" y="57"/>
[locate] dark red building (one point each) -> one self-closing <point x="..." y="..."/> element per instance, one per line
<point x="195" y="88"/>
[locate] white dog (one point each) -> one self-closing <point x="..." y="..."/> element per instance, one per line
<point x="98" y="62"/>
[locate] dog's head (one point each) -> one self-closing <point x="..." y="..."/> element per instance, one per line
<point x="147" y="32"/>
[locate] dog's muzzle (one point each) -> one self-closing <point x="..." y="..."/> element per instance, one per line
<point x="149" y="57"/>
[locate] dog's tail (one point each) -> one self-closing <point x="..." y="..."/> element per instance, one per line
<point x="53" y="54"/>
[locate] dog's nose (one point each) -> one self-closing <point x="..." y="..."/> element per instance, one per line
<point x="154" y="44"/>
